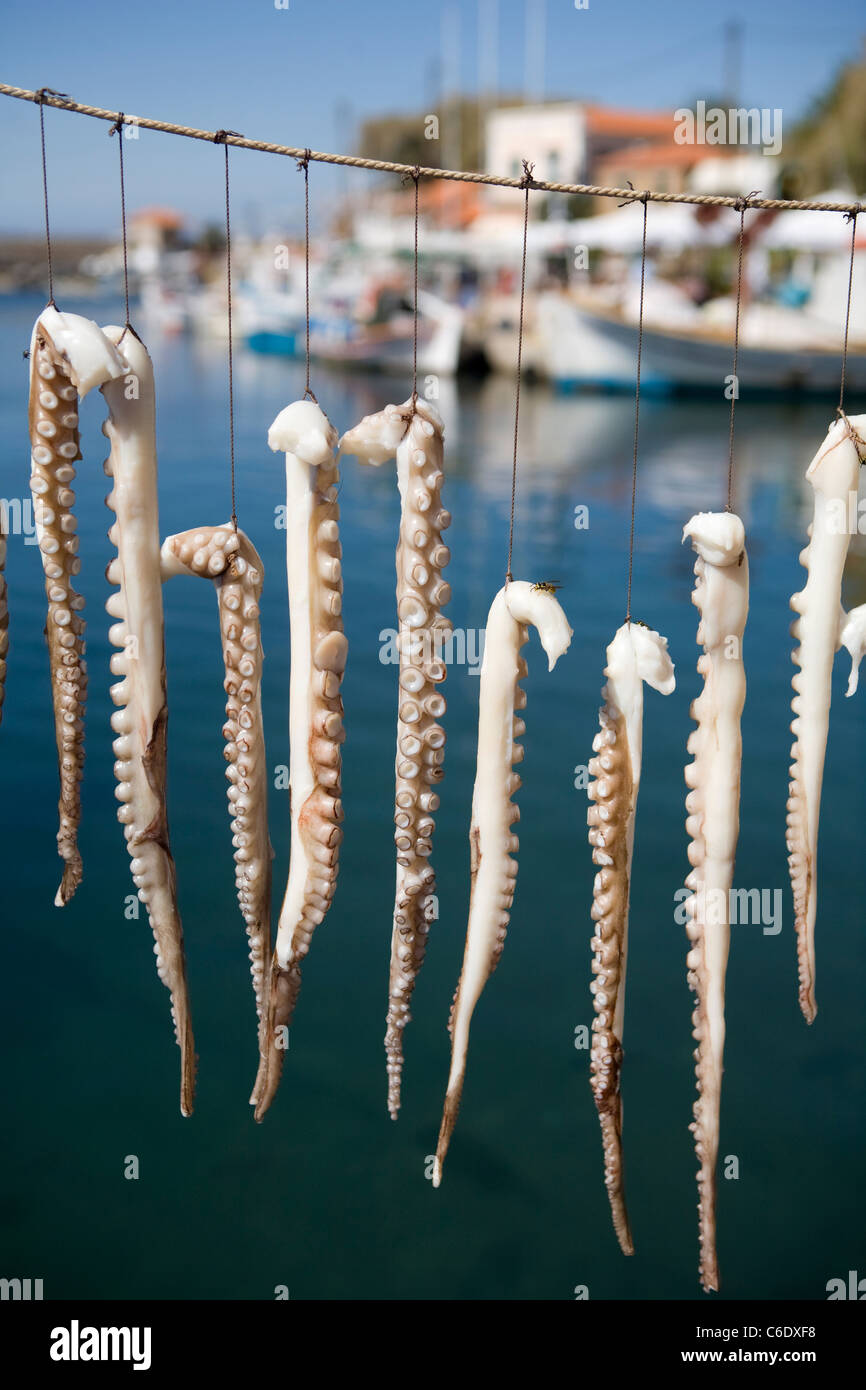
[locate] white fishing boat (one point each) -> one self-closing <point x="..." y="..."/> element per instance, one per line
<point x="364" y="327"/>
<point x="781" y="349"/>
<point x="584" y="333"/>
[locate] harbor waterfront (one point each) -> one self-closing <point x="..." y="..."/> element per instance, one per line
<point x="108" y="1193"/>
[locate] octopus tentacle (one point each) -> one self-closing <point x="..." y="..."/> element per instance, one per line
<point x="230" y="560"/>
<point x="721" y="595"/>
<point x="68" y="356"/>
<point x="413" y="434"/>
<point x="819" y="629"/>
<point x="318" y="659"/>
<point x="140" y="719"/>
<point x="635" y="655"/>
<point x="494" y="871"/>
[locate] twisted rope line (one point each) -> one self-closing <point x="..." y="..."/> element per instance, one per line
<point x="385" y="166"/>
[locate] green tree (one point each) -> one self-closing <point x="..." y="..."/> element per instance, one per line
<point x="828" y="146"/>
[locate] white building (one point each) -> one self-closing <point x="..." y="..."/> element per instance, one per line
<point x="739" y="170"/>
<point x="567" y="142"/>
<point x="551" y="137"/>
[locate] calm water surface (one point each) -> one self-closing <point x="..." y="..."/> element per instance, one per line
<point x="328" y="1196"/>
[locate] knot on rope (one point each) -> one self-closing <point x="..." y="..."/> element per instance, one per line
<point x="854" y="212"/>
<point x="303" y="163"/>
<point x="856" y="439"/>
<point x="50" y="92"/>
<point x="638" y="197"/>
<point x="117" y="128"/>
<point x="527" y="181"/>
<point x="128" y="328"/>
<point x="221" y="136"/>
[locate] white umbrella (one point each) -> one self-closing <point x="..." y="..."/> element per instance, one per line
<point x="670" y="227"/>
<point x="811" y="231"/>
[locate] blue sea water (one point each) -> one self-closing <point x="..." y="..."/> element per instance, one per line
<point x="327" y="1196"/>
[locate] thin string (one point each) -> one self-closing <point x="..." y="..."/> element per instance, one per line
<point x="636" y="412"/>
<point x="220" y="138"/>
<point x="527" y="183"/>
<point x="304" y="164"/>
<point x="852" y="218"/>
<point x="415" y="176"/>
<point x="386" y="166"/>
<point x="40" y="97"/>
<point x="735" y="385"/>
<point x="117" y="129"/>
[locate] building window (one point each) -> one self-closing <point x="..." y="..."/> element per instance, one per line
<point x="553" y="166"/>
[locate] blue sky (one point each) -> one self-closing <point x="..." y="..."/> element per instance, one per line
<point x="306" y="75"/>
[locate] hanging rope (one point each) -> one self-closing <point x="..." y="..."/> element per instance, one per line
<point x="852" y="218"/>
<point x="742" y="204"/>
<point x="415" y="176"/>
<point x="645" y="200"/>
<point x="526" y="184"/>
<point x="220" y="138"/>
<point x="304" y="165"/>
<point x="858" y="442"/>
<point x="387" y="166"/>
<point x="117" y="129"/>
<point x="40" y="96"/>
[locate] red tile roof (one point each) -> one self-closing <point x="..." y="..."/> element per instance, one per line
<point x="456" y="203"/>
<point x="608" y="120"/>
<point x="159" y="217"/>
<point x="664" y="152"/>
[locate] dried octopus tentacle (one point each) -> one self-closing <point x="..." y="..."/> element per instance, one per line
<point x="230" y="560"/>
<point x="635" y="655"/>
<point x="318" y="659"/>
<point x="721" y="595"/>
<point x="68" y="356"/>
<point x="413" y="434"/>
<point x="819" y="629"/>
<point x="491" y="842"/>
<point x="140" y="720"/>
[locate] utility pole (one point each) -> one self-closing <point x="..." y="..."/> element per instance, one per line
<point x="488" y="69"/>
<point x="536" y="26"/>
<point x="344" y="124"/>
<point x="449" y="116"/>
<point x="488" y="46"/>
<point x="733" y="50"/>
